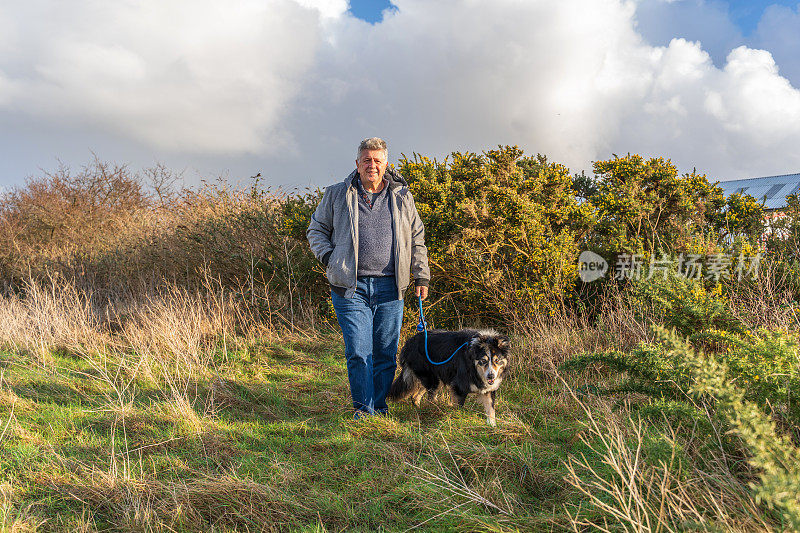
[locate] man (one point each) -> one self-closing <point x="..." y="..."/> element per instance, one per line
<point x="368" y="234"/>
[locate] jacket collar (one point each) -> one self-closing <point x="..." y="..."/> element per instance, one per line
<point x="394" y="178"/>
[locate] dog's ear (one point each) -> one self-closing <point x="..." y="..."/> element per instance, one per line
<point x="503" y="342"/>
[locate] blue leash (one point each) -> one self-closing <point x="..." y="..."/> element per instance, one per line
<point x="423" y="326"/>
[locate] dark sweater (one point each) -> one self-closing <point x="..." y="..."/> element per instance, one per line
<point x="375" y="235"/>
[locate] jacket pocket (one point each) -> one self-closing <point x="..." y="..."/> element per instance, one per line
<point x="337" y="270"/>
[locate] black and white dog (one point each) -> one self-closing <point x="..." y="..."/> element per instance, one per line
<point x="478" y="367"/>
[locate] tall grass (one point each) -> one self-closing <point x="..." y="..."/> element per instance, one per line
<point x="542" y="342"/>
<point x="638" y="487"/>
<point x="50" y="317"/>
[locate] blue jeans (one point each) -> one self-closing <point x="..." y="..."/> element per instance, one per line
<point x="370" y="323"/>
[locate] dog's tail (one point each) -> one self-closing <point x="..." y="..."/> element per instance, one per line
<point x="406" y="383"/>
<point x="403" y="385"/>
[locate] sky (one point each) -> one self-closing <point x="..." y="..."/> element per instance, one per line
<point x="288" y="88"/>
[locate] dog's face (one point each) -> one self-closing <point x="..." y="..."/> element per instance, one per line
<point x="490" y="352"/>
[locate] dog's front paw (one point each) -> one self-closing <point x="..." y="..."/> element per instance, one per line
<point x="491" y="422"/>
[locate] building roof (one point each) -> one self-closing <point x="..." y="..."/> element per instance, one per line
<point x="773" y="190"/>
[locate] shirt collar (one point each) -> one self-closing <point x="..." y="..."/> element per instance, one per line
<point x="360" y="186"/>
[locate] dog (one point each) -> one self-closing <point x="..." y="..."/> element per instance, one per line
<point x="478" y="367"/>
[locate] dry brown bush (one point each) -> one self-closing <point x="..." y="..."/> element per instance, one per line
<point x="62" y="217"/>
<point x="122" y="236"/>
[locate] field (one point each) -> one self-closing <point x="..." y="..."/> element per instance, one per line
<point x="169" y="360"/>
<point x="255" y="434"/>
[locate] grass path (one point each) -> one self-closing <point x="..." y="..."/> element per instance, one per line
<point x="266" y="442"/>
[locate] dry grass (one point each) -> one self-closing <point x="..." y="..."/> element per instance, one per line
<point x="50" y="317"/>
<point x="767" y="303"/>
<point x="175" y="335"/>
<point x="543" y="342"/>
<point x="637" y="493"/>
<point x="12" y="518"/>
<point x="169" y="328"/>
<point x="447" y="479"/>
<point x="138" y="505"/>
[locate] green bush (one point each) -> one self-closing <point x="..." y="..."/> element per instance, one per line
<point x="771" y="452"/>
<point x="764" y="364"/>
<point x="645" y="205"/>
<point x="686" y="304"/>
<point x="503" y="233"/>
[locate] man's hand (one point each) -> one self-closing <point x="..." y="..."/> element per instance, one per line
<point x="422" y="291"/>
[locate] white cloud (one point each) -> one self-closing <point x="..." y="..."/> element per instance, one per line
<point x="759" y="101"/>
<point x="454" y="75"/>
<point x="328" y="8"/>
<point x="737" y="121"/>
<point x="574" y="79"/>
<point x="182" y="75"/>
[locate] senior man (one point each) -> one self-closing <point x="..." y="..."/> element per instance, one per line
<point x="368" y="234"/>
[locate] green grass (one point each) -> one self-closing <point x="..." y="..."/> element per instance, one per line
<point x="266" y="441"/>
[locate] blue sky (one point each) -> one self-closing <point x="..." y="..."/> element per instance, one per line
<point x="289" y="87"/>
<point x="747" y="13"/>
<point x="369" y="10"/>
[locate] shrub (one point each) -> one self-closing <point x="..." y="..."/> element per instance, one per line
<point x="723" y="395"/>
<point x="110" y="231"/>
<point x="644" y="205"/>
<point x="63" y="218"/>
<point x="764" y="364"/>
<point x="775" y="456"/>
<point x="502" y="232"/>
<point x="686" y="304"/>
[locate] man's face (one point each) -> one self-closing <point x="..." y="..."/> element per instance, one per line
<point x="371" y="165"/>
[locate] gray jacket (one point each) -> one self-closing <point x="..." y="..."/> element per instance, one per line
<point x="333" y="235"/>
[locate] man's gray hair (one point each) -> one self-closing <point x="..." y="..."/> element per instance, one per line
<point x="373" y="143"/>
